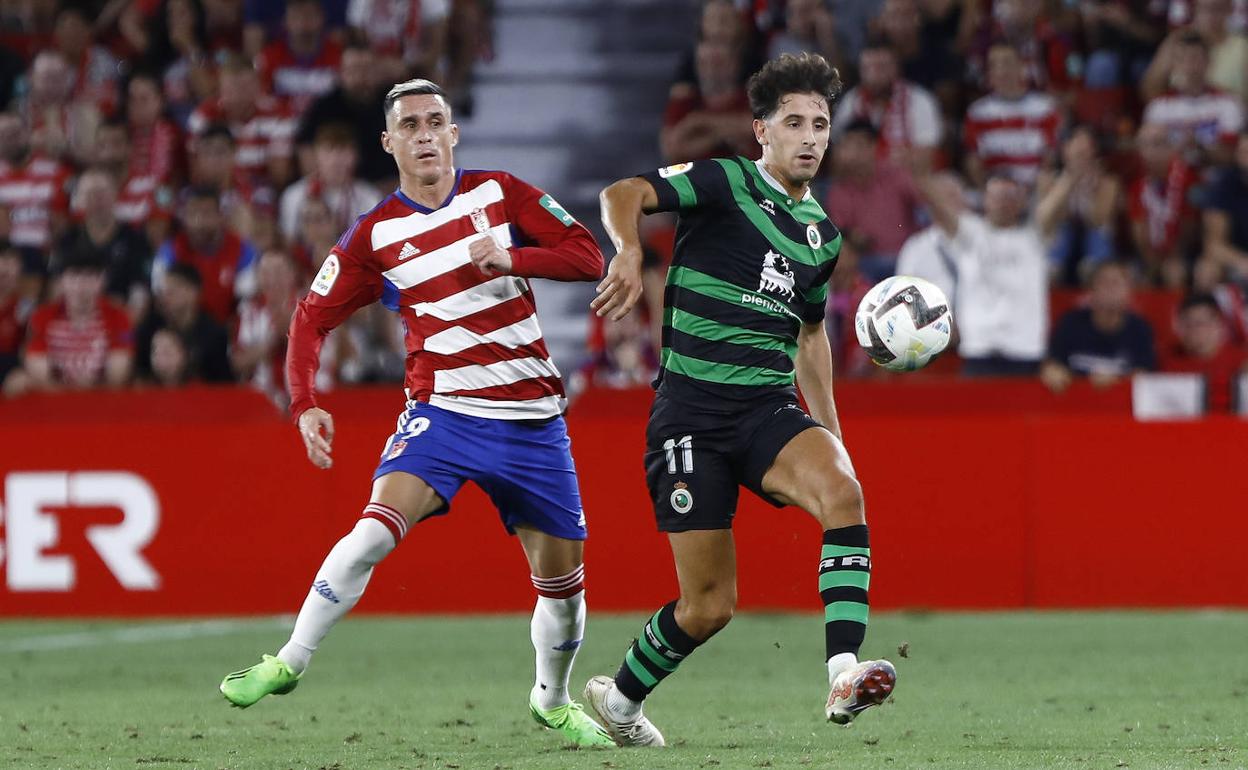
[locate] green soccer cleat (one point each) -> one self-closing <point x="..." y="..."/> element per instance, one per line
<point x="571" y="720"/>
<point x="268" y="677"/>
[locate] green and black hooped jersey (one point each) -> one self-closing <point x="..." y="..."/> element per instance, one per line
<point x="751" y="265"/>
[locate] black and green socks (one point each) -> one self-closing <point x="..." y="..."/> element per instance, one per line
<point x="844" y="574"/>
<point x="655" y="654"/>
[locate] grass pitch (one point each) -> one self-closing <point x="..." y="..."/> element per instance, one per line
<point x="1042" y="690"/>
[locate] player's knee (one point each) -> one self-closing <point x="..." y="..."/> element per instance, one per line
<point x="839" y="503"/>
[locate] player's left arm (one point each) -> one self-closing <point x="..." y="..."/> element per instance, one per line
<point x="814" y="374"/>
<point x="563" y="249"/>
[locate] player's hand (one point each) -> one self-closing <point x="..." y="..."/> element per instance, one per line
<point x="316" y="428"/>
<point x="489" y="258"/>
<point x="621" y="289"/>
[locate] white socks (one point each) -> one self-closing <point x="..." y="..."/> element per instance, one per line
<point x="622" y="706"/>
<point x="556" y="631"/>
<point x="339" y="584"/>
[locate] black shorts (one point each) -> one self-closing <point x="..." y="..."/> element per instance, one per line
<point x="696" y="459"/>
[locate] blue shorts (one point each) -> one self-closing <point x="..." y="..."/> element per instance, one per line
<point x="525" y="468"/>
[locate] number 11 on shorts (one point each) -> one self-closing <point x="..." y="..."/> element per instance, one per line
<point x="685" y="443"/>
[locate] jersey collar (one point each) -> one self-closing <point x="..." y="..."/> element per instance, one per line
<point x="398" y="193"/>
<point x="775" y="183"/>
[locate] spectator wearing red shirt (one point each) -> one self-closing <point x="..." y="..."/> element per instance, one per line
<point x="1201" y="119"/>
<point x="262" y="126"/>
<point x="213" y="164"/>
<point x="157" y="145"/>
<point x="143" y="201"/>
<point x="34" y="188"/>
<point x="333" y="180"/>
<point x="872" y="197"/>
<point x="1163" y="220"/>
<point x="95" y="69"/>
<point x="65" y="125"/>
<point x="303" y="63"/>
<point x="80" y="341"/>
<point x="1049" y="61"/>
<point x="1204" y="348"/>
<point x="1013" y="129"/>
<point x="14" y="309"/>
<point x="226" y="263"/>
<point x="715" y="119"/>
<point x="408" y="36"/>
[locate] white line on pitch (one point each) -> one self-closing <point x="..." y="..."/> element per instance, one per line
<point x="138" y="634"/>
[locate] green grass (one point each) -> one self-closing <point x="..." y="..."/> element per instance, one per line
<point x="1103" y="690"/>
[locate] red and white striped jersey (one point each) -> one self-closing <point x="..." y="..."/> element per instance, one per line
<point x="473" y="341"/>
<point x="268" y="133"/>
<point x="1209" y="118"/>
<point x="1013" y="135"/>
<point x="34" y="193"/>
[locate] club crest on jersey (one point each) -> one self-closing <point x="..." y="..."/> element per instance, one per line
<point x="325" y="279"/>
<point x="682" y="498"/>
<point x="675" y="170"/>
<point x="480" y="220"/>
<point x="557" y="211"/>
<point x="813" y="237"/>
<point x="777" y="275"/>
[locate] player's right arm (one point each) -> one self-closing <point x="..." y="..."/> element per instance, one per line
<point x="346" y="282"/>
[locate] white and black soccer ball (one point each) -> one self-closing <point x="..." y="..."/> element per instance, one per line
<point x="903" y="323"/>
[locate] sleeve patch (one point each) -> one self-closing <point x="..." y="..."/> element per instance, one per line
<point x="557" y="211"/>
<point x="676" y="170"/>
<point x="325" y="279"/>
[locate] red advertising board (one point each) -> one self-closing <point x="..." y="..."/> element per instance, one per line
<point x="979" y="495"/>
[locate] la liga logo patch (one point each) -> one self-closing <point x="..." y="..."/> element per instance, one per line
<point x="327" y="276"/>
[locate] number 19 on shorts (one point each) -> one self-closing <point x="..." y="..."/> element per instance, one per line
<point x="685" y="445"/>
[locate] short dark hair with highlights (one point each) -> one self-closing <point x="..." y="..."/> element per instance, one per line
<point x="790" y="74"/>
<point x="409" y="87"/>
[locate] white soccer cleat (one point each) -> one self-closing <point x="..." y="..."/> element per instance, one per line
<point x="858" y="688"/>
<point x="638" y="732"/>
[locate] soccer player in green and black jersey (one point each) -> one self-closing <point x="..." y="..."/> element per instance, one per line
<point x="742" y="324"/>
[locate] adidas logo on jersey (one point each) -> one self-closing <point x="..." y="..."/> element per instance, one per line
<point x="408" y="250"/>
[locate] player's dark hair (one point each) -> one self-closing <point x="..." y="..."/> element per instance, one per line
<point x="410" y="87"/>
<point x="186" y="272"/>
<point x="1199" y="299"/>
<point x="790" y="74"/>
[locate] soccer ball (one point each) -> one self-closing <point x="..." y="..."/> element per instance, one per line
<point x="903" y="322"/>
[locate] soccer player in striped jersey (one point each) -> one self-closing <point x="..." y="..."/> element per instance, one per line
<point x="451" y="251"/>
<point x="743" y="322"/>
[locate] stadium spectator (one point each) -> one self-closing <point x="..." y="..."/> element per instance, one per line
<point x="1002" y="282"/>
<point x="846" y="289"/>
<point x="142" y="201"/>
<point x="723" y="23"/>
<point x="94" y="79"/>
<point x="213" y="164"/>
<point x="873" y="197"/>
<point x="259" y="352"/>
<point x="625" y="358"/>
<point x="175" y="52"/>
<point x="1204" y="347"/>
<point x="1012" y="130"/>
<point x="167" y="360"/>
<point x="1160" y="209"/>
<point x="1104" y="341"/>
<point x="226" y="262"/>
<point x="923" y="60"/>
<point x="807" y="26"/>
<point x="79" y="341"/>
<point x="34" y="187"/>
<point x="408" y="36"/>
<point x="926" y="254"/>
<point x="262" y="126"/>
<point x="14" y="309"/>
<point x="204" y="343"/>
<point x="1047" y="60"/>
<point x="64" y="126"/>
<point x="303" y="63"/>
<point x="157" y="144"/>
<point x="1080" y="204"/>
<point x="333" y="180"/>
<point x="853" y="20"/>
<point x="1201" y="119"/>
<point x="100" y="237"/>
<point x="1120" y="43"/>
<point x="356" y="101"/>
<point x="712" y="120"/>
<point x="263" y="21"/>
<point x="1225" y="217"/>
<point x="905" y="115"/>
<point x="1227" y="49"/>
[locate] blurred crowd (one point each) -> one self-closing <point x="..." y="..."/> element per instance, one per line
<point x="1073" y="175"/>
<point x="172" y="171"/>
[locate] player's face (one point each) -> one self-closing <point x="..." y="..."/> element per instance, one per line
<point x="795" y="136"/>
<point x="421" y="137"/>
